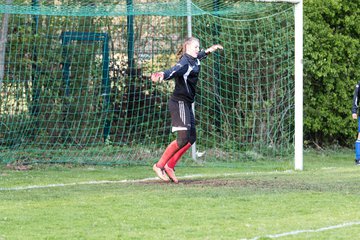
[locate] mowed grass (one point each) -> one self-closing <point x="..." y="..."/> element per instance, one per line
<point x="250" y="200"/>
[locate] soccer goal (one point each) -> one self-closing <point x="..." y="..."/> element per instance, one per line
<point x="75" y="79"/>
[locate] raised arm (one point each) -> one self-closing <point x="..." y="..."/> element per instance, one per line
<point x="213" y="48"/>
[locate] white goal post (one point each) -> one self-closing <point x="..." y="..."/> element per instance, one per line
<point x="299" y="165"/>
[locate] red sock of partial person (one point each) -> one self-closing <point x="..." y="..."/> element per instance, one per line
<point x="169" y="152"/>
<point x="174" y="159"/>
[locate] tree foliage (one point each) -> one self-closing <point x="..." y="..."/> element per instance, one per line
<point x="331" y="69"/>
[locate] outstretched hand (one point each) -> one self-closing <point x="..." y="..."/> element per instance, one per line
<point x="213" y="48"/>
<point x="157" y="76"/>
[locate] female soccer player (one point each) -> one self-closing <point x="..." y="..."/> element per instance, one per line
<point x="186" y="73"/>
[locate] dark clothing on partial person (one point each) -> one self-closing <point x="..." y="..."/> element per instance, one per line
<point x="356" y="99"/>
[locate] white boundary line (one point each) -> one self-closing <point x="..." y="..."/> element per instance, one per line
<point x="296" y="232"/>
<point x="75" y="184"/>
<point x="132" y="181"/>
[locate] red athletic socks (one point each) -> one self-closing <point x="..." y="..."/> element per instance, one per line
<point x="169" y="152"/>
<point x="176" y="157"/>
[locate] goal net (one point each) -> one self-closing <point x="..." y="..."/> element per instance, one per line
<point x="75" y="79"/>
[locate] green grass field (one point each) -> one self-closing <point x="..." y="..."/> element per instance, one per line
<point x="250" y="200"/>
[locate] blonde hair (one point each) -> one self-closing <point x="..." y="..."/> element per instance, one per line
<point x="182" y="49"/>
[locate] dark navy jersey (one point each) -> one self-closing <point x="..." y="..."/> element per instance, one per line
<point x="356" y="99"/>
<point x="186" y="74"/>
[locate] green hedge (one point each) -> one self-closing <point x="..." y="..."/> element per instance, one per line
<point x="331" y="70"/>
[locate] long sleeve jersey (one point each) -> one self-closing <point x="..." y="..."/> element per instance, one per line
<point x="186" y="74"/>
<point x="356" y="99"/>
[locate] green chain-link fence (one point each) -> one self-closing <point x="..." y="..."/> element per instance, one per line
<point x="75" y="79"/>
